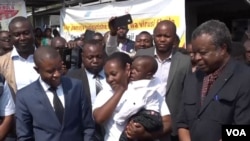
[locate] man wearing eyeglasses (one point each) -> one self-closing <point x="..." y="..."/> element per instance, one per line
<point x="6" y="44"/>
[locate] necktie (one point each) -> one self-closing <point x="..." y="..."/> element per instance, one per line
<point x="98" y="83"/>
<point x="59" y="110"/>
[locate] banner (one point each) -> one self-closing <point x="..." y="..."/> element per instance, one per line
<point x="10" y="9"/>
<point x="145" y="13"/>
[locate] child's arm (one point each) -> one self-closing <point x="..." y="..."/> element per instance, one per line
<point x="153" y="101"/>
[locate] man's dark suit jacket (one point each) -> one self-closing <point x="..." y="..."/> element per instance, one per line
<point x="227" y="102"/>
<point x="179" y="68"/>
<point x="36" y="119"/>
<point x="81" y="75"/>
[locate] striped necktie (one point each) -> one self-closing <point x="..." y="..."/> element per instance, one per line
<point x="98" y="83"/>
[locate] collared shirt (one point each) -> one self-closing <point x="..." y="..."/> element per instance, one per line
<point x="50" y="95"/>
<point x="24" y="69"/>
<point x="114" y="130"/>
<point x="7" y="106"/>
<point x="163" y="69"/>
<point x="208" y="82"/>
<point x="140" y="94"/>
<point x="92" y="84"/>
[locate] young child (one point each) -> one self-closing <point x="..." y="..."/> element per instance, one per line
<point x="141" y="101"/>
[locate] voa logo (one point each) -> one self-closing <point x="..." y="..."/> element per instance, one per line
<point x="236" y="132"/>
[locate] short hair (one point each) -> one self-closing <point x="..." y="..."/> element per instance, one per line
<point x="47" y="29"/>
<point x="92" y="42"/>
<point x="217" y="30"/>
<point x="166" y="22"/>
<point x="152" y="61"/>
<point x="98" y="34"/>
<point x="121" y="57"/>
<point x="77" y="39"/>
<point x="147" y="33"/>
<point x="43" y="53"/>
<point x="55" y="39"/>
<point x="38" y="28"/>
<point x="19" y="19"/>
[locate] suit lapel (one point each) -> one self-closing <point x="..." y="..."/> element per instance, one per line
<point x="173" y="68"/>
<point x="218" y="84"/>
<point x="11" y="73"/>
<point x="45" y="101"/>
<point x="67" y="98"/>
<point x="85" y="83"/>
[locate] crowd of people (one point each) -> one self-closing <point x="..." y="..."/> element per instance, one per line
<point x="117" y="89"/>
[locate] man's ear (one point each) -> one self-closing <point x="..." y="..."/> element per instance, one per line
<point x="224" y="49"/>
<point x="36" y="68"/>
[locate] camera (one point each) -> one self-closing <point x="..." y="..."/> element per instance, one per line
<point x="66" y="56"/>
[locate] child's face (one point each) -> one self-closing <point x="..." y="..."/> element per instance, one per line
<point x="139" y="70"/>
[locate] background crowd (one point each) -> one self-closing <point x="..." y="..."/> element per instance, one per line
<point x="109" y="87"/>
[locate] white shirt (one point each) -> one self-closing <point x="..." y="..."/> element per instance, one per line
<point x="24" y="69"/>
<point x="114" y="130"/>
<point x="163" y="70"/>
<point x="7" y="106"/>
<point x="92" y="84"/>
<point x="140" y="94"/>
<point x="50" y="95"/>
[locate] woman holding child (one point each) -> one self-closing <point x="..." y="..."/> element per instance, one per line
<point x="115" y="107"/>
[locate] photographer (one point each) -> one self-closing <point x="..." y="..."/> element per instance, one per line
<point x="59" y="43"/>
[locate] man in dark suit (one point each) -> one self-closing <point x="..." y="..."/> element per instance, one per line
<point x="173" y="67"/>
<point x="93" y="56"/>
<point x="218" y="93"/>
<point x="53" y="108"/>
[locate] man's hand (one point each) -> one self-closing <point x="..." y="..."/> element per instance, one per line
<point x="71" y="44"/>
<point x="113" y="30"/>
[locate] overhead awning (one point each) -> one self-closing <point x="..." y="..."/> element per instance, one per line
<point x="41" y="3"/>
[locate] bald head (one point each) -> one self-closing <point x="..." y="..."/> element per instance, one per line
<point x="44" y="53"/>
<point x="149" y="63"/>
<point x="58" y="42"/>
<point x="167" y="23"/>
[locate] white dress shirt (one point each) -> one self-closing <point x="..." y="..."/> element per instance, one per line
<point x="92" y="84"/>
<point x="7" y="106"/>
<point x="140" y="94"/>
<point x="24" y="69"/>
<point x="114" y="130"/>
<point x="50" y="95"/>
<point x="163" y="70"/>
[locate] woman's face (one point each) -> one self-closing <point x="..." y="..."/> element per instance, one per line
<point x="115" y="74"/>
